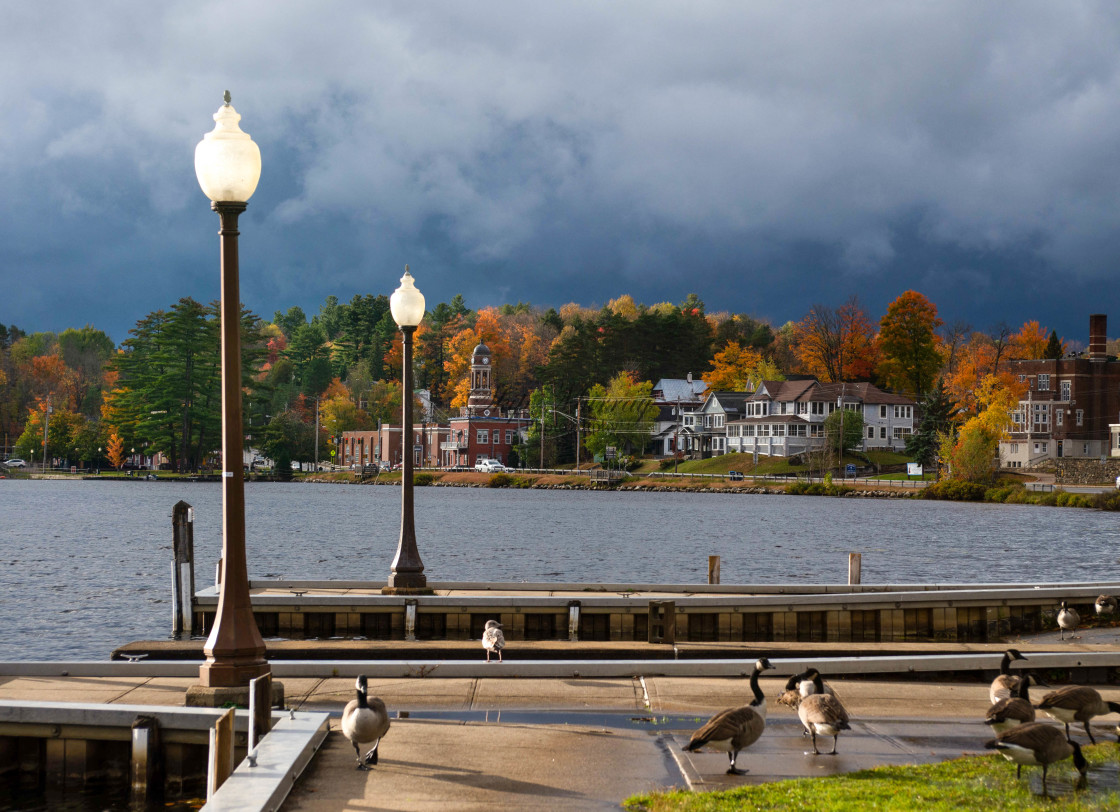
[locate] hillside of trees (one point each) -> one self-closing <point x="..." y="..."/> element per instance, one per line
<point x="160" y="389"/>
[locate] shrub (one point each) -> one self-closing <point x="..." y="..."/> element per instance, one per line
<point x="955" y="490"/>
<point x="499" y="481"/>
<point x="1107" y="501"/>
<point x="666" y="464"/>
<point x="420" y="480"/>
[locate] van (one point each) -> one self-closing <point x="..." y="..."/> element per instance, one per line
<point x="488" y="466"/>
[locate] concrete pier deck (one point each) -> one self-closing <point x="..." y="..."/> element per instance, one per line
<point x="487" y="742"/>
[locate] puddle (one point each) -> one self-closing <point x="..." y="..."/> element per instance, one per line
<point x="1102" y="779"/>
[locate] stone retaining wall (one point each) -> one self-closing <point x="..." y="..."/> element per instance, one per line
<point x="1086" y="472"/>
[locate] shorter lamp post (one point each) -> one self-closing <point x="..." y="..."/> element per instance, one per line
<point x="407" y="575"/>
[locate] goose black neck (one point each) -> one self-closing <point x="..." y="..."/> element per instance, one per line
<point x="1024" y="688"/>
<point x="361" y="691"/>
<point x="818" y="682"/>
<point x="1005" y="664"/>
<point x="758" y="695"/>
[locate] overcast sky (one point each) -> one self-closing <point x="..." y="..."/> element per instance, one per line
<point x="766" y="156"/>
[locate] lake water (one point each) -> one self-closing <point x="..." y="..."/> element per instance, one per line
<point x="85" y="566"/>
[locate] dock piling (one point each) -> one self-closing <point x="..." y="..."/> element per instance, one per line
<point x="146" y="762"/>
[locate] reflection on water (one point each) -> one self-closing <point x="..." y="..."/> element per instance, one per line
<point x="85" y="566"/>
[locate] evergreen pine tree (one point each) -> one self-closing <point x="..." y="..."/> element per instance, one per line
<point x="938" y="414"/>
<point x="1054" y="346"/>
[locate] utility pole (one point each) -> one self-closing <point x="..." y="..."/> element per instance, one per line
<point x="577" y="435"/>
<point x="46" y="429"/>
<point x="316" y="466"/>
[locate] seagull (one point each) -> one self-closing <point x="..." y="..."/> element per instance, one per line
<point x="493" y="639"/>
<point x="365" y="720"/>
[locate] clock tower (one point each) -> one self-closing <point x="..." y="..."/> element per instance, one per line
<point x="480" y="403"/>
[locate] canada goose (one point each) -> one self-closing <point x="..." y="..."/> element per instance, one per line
<point x="365" y="720"/>
<point x="822" y="714"/>
<point x="1105" y="606"/>
<point x="1006" y="684"/>
<point x="1013" y="710"/>
<point x="735" y="728"/>
<point x="1067" y="620"/>
<point x="1037" y="744"/>
<point x="1076" y="703"/>
<point x="493" y="639"/>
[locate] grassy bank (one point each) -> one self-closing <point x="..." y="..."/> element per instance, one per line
<point x="975" y="782"/>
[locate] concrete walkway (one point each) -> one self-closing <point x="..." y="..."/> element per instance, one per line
<point x="574" y="743"/>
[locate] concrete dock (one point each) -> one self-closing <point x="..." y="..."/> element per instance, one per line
<point x="583" y="742"/>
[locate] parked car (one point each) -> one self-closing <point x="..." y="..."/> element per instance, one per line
<point x="15" y="462"/>
<point x="487" y="466"/>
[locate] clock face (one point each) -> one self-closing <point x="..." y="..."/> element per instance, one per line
<point x="486" y="360"/>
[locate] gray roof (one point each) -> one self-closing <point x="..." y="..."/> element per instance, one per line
<point x="670" y="390"/>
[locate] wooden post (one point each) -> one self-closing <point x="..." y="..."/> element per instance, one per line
<point x="573" y="621"/>
<point x="854" y="563"/>
<point x="221" y="753"/>
<point x="713" y="569"/>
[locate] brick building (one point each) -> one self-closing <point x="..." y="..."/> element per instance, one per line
<point x="481" y="431"/>
<point x="1069" y="405"/>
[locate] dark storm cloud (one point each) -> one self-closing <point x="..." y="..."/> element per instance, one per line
<point x="765" y="156"/>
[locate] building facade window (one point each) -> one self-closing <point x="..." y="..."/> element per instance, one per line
<point x="483" y="436"/>
<point x="882" y="432"/>
<point x="1065" y="387"/>
<point x="1058" y="415"/>
<point x="1043" y="383"/>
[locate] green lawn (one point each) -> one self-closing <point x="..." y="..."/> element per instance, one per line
<point x="975" y="782"/>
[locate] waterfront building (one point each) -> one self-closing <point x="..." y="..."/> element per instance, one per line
<point x="1071" y="406"/>
<point x="674" y="397"/>
<point x="785" y="418"/>
<point x="481" y="430"/>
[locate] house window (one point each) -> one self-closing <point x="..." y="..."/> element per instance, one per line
<point x="901" y="432"/>
<point x="803" y="408"/>
<point x="882" y="432"/>
<point x="1065" y="389"/>
<point x="1043" y="383"/>
<point x="779" y="430"/>
<point x="1085" y="449"/>
<point x="1041" y="414"/>
<point x="1022" y="378"/>
<point x="1014" y="448"/>
<point x="817" y="407"/>
<point x="1080" y="416"/>
<point x="483" y="436"/>
<point x="902" y="411"/>
<point x="1058" y="415"/>
<point x="718" y="421"/>
<point x="509" y="438"/>
<point x="883" y="410"/>
<point x="870" y="432"/>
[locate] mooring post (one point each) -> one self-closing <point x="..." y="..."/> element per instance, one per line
<point x="410" y="620"/>
<point x="854" y="564"/>
<point x="220" y="763"/>
<point x="182" y="546"/>
<point x="713" y="569"/>
<point x="573" y="621"/>
<point x="147" y="763"/>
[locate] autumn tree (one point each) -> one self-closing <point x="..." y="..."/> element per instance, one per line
<point x="836" y="344"/>
<point x="738" y="369"/>
<point x="622" y="415"/>
<point x="1030" y="342"/>
<point x="908" y="342"/>
<point x="973" y="454"/>
<point x="115" y="450"/>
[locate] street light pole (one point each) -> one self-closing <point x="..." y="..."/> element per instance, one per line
<point x="407" y="573"/>
<point x="227" y="163"/>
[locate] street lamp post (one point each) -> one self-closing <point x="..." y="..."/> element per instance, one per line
<point x="407" y="574"/>
<point x="228" y="166"/>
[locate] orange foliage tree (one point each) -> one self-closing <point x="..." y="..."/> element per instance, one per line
<point x="909" y="343"/>
<point x="836" y="344"/>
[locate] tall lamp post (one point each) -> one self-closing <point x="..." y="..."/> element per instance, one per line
<point x="228" y="165"/>
<point x="407" y="575"/>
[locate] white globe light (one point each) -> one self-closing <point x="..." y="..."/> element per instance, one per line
<point x="407" y="303"/>
<point x="226" y="161"/>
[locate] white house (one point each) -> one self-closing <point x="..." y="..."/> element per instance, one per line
<point x="784" y="418"/>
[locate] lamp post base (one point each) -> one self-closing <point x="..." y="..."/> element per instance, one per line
<point x="206" y="696"/>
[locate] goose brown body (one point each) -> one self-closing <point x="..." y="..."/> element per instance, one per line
<point x="365" y="719"/>
<point x="1012" y="711"/>
<point x="1039" y="745"/>
<point x="823" y="714"/>
<point x="735" y="729"/>
<point x="1067" y="620"/>
<point x="1076" y="703"/>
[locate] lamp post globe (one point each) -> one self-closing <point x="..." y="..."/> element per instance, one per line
<point x="407" y="573"/>
<point x="228" y="166"/>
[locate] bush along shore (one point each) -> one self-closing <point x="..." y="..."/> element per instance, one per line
<point x="952" y="490"/>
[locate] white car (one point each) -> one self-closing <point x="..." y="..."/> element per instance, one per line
<point x="490" y="467"/>
<point x="15" y="463"/>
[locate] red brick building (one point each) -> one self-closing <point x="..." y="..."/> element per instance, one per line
<point x="481" y="431"/>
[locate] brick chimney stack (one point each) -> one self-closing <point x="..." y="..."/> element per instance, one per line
<point x="1098" y="337"/>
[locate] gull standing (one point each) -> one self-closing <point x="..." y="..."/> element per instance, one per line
<point x="493" y="639"/>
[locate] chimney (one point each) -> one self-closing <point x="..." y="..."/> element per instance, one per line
<point x="1098" y="337"/>
<point x="689" y="377"/>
